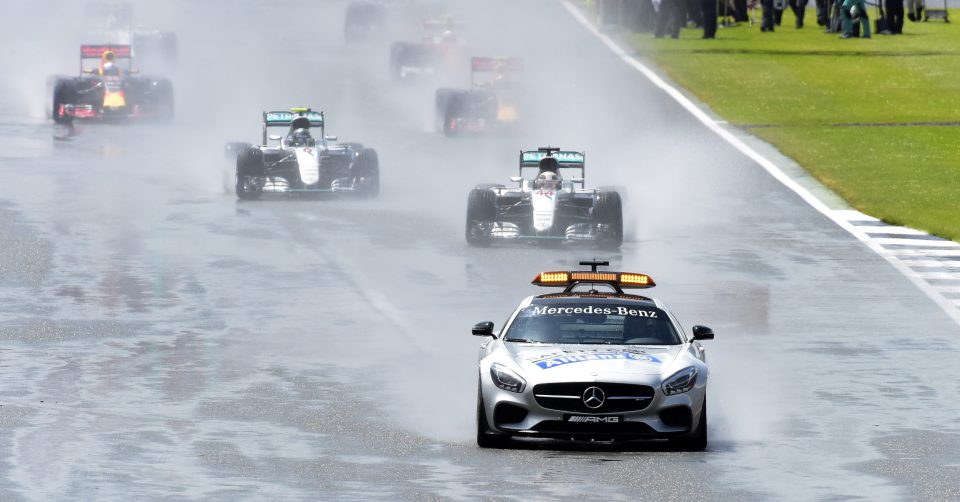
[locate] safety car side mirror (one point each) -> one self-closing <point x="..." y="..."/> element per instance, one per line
<point x="702" y="333"/>
<point x="483" y="329"/>
<point x="274" y="137"/>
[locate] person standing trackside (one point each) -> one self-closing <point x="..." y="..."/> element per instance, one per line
<point x="709" y="10"/>
<point x="766" y="24"/>
<point x="668" y="19"/>
<point x="851" y="10"/>
<point x="894" y="11"/>
<point x="799" y="8"/>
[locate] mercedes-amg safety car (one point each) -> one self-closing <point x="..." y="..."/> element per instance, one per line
<point x="109" y="87"/>
<point x="439" y="50"/>
<point x="492" y="100"/>
<point x="554" y="206"/>
<point x="300" y="163"/>
<point x="592" y="362"/>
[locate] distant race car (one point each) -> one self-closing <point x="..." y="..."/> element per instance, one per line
<point x="439" y="51"/>
<point x="112" y="22"/>
<point x="592" y="363"/>
<point x="491" y="102"/>
<point x="547" y="208"/>
<point x="299" y="163"/>
<point x="108" y="87"/>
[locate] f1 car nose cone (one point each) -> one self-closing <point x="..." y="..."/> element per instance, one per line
<point x="593" y="397"/>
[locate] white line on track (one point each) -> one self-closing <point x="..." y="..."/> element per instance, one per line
<point x="846" y="219"/>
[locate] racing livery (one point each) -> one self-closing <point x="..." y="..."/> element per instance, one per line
<point x="492" y="100"/>
<point x="440" y="49"/>
<point x="108" y="87"/>
<point x="592" y="362"/>
<point x="299" y="163"/>
<point x="546" y="208"/>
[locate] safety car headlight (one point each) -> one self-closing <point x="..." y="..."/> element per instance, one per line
<point x="681" y="381"/>
<point x="506" y="379"/>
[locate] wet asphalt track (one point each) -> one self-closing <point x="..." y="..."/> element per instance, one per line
<point x="159" y="339"/>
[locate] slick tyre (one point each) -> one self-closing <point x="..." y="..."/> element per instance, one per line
<point x="62" y="95"/>
<point x="249" y="168"/>
<point x="368" y="175"/>
<point x="481" y="208"/>
<point x="485" y="438"/>
<point x="697" y="442"/>
<point x="608" y="211"/>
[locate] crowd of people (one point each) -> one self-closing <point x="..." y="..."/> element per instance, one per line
<point x="849" y="18"/>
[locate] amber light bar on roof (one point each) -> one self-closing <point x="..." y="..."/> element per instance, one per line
<point x="619" y="279"/>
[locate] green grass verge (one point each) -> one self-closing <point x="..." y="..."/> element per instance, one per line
<point x="802" y="89"/>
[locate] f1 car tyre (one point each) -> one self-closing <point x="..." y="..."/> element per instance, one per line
<point x="608" y="211"/>
<point x="440" y="108"/>
<point x="62" y="95"/>
<point x="485" y="438"/>
<point x="397" y="50"/>
<point x="697" y="442"/>
<point x="369" y="173"/>
<point x="249" y="167"/>
<point x="481" y="208"/>
<point x="451" y="111"/>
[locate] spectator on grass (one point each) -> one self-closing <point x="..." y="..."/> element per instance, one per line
<point x="669" y="18"/>
<point x="855" y="10"/>
<point x="823" y="12"/>
<point x="799" y="8"/>
<point x="915" y="8"/>
<point x="709" y="14"/>
<point x="894" y="11"/>
<point x="766" y="23"/>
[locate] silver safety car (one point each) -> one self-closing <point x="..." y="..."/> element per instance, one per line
<point x="591" y="362"/>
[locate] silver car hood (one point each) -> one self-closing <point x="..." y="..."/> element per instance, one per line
<point x="566" y="362"/>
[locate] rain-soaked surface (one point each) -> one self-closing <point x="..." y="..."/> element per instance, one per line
<point x="160" y="339"/>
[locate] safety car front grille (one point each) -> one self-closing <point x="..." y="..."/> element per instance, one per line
<point x="556" y="427"/>
<point x="618" y="397"/>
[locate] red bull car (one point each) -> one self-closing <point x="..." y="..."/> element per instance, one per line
<point x="108" y="87"/>
<point x="491" y="102"/>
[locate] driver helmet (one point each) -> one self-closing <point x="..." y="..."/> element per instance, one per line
<point x="108" y="63"/>
<point x="547" y="180"/>
<point x="300" y="137"/>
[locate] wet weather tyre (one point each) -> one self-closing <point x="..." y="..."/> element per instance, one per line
<point x="249" y="167"/>
<point x="369" y="174"/>
<point x="486" y="439"/>
<point x="62" y="95"/>
<point x="165" y="104"/>
<point x="608" y="212"/>
<point x="481" y="208"/>
<point x="697" y="442"/>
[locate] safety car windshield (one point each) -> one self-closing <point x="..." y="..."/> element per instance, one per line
<point x="608" y="324"/>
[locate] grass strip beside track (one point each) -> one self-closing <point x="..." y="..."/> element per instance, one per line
<point x="876" y="120"/>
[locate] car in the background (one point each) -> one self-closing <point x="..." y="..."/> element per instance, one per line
<point x="554" y="206"/>
<point x="109" y="87"/>
<point x="112" y="22"/>
<point x="491" y="102"/>
<point x="300" y="163"/>
<point x="439" y="51"/>
<point x="592" y="363"/>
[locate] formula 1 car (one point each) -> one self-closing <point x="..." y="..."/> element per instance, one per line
<point x="492" y="100"/>
<point x="299" y="163"/>
<point x="439" y="50"/>
<point x="113" y="22"/>
<point x="592" y="363"/>
<point x="108" y="87"/>
<point x="548" y="208"/>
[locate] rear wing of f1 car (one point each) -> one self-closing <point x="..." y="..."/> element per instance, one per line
<point x="88" y="52"/>
<point x="304" y="117"/>
<point x="567" y="159"/>
<point x="495" y="66"/>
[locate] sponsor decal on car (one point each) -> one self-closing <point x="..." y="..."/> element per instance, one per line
<point x="554" y="359"/>
<point x="590" y="309"/>
<point x="594" y="420"/>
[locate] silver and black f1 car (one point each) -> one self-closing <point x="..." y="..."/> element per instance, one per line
<point x="592" y="363"/>
<point x="549" y="207"/>
<point x="492" y="100"/>
<point x="299" y="163"/>
<point x="108" y="87"/>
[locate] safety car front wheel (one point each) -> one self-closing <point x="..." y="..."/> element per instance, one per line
<point x="486" y="438"/>
<point x="697" y="442"/>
